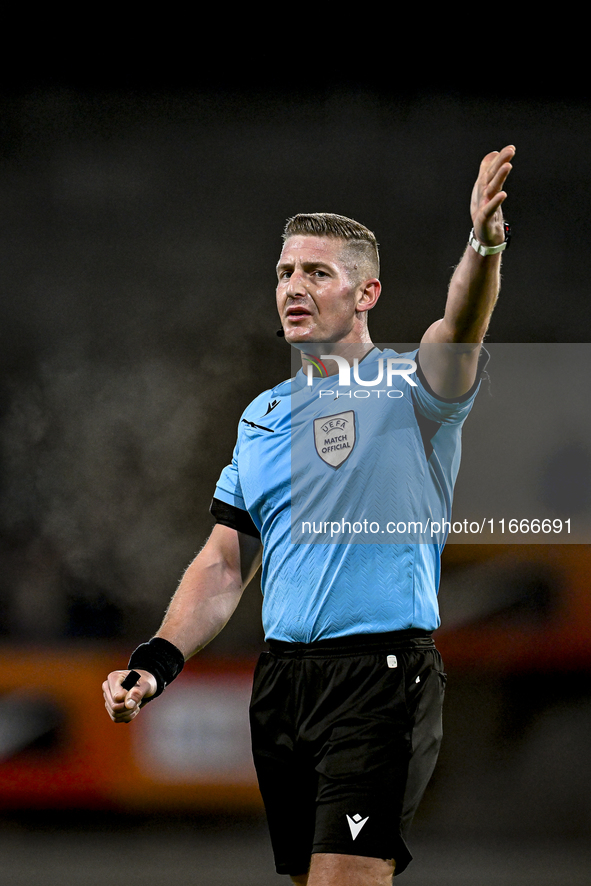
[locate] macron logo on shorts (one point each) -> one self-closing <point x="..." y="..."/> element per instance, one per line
<point x="356" y="823"/>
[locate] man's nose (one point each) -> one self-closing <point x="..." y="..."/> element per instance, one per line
<point x="296" y="284"/>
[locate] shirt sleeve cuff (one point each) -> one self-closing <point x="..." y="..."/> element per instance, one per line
<point x="482" y="363"/>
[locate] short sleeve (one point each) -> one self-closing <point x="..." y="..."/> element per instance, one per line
<point x="441" y="409"/>
<point x="228" y="487"/>
<point x="227" y="506"/>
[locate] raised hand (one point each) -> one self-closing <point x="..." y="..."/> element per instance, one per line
<point x="488" y="196"/>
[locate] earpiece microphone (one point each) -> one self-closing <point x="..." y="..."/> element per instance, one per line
<point x="280" y="333"/>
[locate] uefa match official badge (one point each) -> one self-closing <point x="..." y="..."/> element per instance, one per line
<point x="334" y="436"/>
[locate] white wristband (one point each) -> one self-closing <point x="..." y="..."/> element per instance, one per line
<point x="478" y="247"/>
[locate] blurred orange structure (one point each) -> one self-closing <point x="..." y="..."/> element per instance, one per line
<point x="59" y="749"/>
<point x="190" y="750"/>
<point x="562" y="640"/>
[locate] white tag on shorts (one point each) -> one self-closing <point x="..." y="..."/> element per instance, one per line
<point x="392" y="661"/>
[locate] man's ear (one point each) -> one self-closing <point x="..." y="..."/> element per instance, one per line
<point x="369" y="292"/>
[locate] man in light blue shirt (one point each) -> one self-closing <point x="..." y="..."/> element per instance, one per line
<point x="349" y="492"/>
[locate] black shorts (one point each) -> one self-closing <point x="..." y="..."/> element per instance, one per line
<point x="345" y="738"/>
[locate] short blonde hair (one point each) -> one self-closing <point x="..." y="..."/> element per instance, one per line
<point x="361" y="246"/>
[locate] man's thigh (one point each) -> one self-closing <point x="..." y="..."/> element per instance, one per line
<point x="347" y="870"/>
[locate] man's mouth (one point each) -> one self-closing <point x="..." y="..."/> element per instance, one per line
<point x="297" y="313"/>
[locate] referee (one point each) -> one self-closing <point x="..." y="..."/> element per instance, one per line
<point x="346" y="704"/>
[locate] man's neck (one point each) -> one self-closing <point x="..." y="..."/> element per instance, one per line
<point x="324" y="357"/>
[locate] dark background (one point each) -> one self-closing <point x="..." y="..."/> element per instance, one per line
<point x="140" y="229"/>
<point x="141" y="218"/>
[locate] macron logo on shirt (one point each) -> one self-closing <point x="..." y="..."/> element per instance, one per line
<point x="356" y="823"/>
<point x="272" y="406"/>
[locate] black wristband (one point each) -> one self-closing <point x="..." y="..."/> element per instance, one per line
<point x="160" y="658"/>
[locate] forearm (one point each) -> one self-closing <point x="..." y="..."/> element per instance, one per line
<point x="472" y="295"/>
<point x="207" y="596"/>
<point x="205" y="600"/>
<point x="475" y="284"/>
<point x="451" y="346"/>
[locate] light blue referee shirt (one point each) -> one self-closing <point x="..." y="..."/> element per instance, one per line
<point x="350" y="486"/>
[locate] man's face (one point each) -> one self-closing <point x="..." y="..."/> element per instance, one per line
<point x="316" y="298"/>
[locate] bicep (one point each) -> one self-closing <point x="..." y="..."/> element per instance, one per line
<point x="450" y="368"/>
